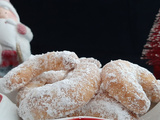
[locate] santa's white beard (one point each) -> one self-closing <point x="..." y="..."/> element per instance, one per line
<point x="9" y="38"/>
<point x="8" y="34"/>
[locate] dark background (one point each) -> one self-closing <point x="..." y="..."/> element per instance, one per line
<point x="103" y="29"/>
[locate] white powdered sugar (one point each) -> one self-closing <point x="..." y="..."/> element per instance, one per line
<point x="62" y="97"/>
<point x="22" y="74"/>
<point x="125" y="74"/>
<point x="105" y="107"/>
<point x="67" y="85"/>
<point x="50" y="77"/>
<point x="69" y="59"/>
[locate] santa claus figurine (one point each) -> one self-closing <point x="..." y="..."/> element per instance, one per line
<point x="15" y="38"/>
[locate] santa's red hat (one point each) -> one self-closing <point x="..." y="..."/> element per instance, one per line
<point x="8" y="5"/>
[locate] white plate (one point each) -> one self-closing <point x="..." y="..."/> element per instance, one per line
<point x="153" y="114"/>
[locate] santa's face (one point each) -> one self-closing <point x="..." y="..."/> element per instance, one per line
<point x="5" y="13"/>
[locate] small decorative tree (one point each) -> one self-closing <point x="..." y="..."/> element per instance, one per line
<point x="151" y="49"/>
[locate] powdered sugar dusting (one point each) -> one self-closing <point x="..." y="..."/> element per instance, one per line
<point x="122" y="76"/>
<point x="106" y="107"/>
<point x="149" y="83"/>
<point x="48" y="77"/>
<point x="63" y="97"/>
<point x="21" y="75"/>
<point x="51" y="76"/>
<point x="91" y="60"/>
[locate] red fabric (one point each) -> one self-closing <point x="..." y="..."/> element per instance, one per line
<point x="9" y="58"/>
